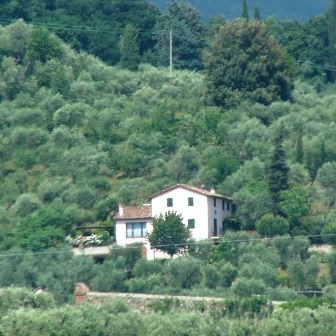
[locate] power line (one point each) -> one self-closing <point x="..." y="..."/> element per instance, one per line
<point x="193" y="243"/>
<point x="316" y="66"/>
<point x="86" y="28"/>
<point x="220" y="241"/>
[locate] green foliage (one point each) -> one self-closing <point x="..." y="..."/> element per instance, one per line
<point x="26" y="204"/>
<point x="272" y="225"/>
<point x="164" y="305"/>
<point x="169" y="234"/>
<point x="183" y="272"/>
<point x="77" y="137"/>
<point x="306" y="303"/>
<point x="247" y="287"/>
<point x="295" y="204"/>
<point x="245" y="12"/>
<point x="331" y="22"/>
<point x="110" y="277"/>
<point x="253" y="307"/>
<point x="13" y="298"/>
<point x="326" y="177"/>
<point x="148" y="284"/>
<point x="43" y="47"/>
<point x="278" y="171"/>
<point x="230" y="247"/>
<point x="256" y="15"/>
<point x="201" y="249"/>
<point x="288" y="248"/>
<point x="145" y="268"/>
<point x="54" y="270"/>
<point x="211" y="276"/>
<point x="71" y="320"/>
<point x="244" y="62"/>
<point x="328" y="230"/>
<point x="259" y="270"/>
<point x="129" y="49"/>
<point x="45" y="228"/>
<point x="131" y="254"/>
<point x="187" y="36"/>
<point x="331" y="259"/>
<point x="227" y="273"/>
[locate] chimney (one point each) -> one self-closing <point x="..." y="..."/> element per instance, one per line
<point x="121" y="209"/>
<point x="212" y="190"/>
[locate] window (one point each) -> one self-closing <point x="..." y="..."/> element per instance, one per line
<point x="169" y="202"/>
<point x="215" y="201"/>
<point x="215" y="227"/>
<point x="190" y="201"/>
<point x="136" y="230"/>
<point x="191" y="223"/>
<point x="223" y="204"/>
<point x="227" y="205"/>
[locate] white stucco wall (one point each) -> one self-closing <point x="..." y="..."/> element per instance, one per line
<point x="120" y="231"/>
<point x="199" y="211"/>
<point x="219" y="213"/>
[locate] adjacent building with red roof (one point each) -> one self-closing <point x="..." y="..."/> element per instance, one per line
<point x="203" y="211"/>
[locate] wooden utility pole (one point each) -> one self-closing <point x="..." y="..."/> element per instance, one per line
<point x="171" y="50"/>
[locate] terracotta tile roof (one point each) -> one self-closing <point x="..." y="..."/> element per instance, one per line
<point x="198" y="190"/>
<point x="135" y="212"/>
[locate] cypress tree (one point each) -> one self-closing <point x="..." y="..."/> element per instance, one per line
<point x="257" y="14"/>
<point x="278" y="172"/>
<point x="245" y="14"/>
<point x="331" y="20"/>
<point x="299" y="145"/>
<point x="320" y="157"/>
<point x="130" y="49"/>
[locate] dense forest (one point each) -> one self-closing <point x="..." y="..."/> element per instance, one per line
<point x="301" y="10"/>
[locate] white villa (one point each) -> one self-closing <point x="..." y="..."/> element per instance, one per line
<point x="203" y="211"/>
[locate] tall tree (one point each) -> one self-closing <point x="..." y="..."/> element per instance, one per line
<point x="299" y="145"/>
<point x="169" y="234"/>
<point x="278" y="171"/>
<point x="331" y="19"/>
<point x="187" y="36"/>
<point x="245" y="63"/>
<point x="130" y="49"/>
<point x="245" y="11"/>
<point x="43" y="46"/>
<point x="257" y="15"/>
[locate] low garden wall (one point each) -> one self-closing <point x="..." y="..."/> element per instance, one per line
<point x="146" y="303"/>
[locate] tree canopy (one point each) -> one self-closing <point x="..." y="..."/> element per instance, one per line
<point x="169" y="234"/>
<point x="244" y="62"/>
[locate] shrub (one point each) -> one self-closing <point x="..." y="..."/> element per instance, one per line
<point x="248" y="287"/>
<point x="272" y="225"/>
<point x="144" y="268"/>
<point x="183" y="272"/>
<point x="14" y="298"/>
<point x="144" y="285"/>
<point x="227" y="274"/>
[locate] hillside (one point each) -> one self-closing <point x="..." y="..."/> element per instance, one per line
<point x="77" y="137"/>
<point x="301" y="10"/>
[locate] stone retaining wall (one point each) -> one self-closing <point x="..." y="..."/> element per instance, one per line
<point x="149" y="302"/>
